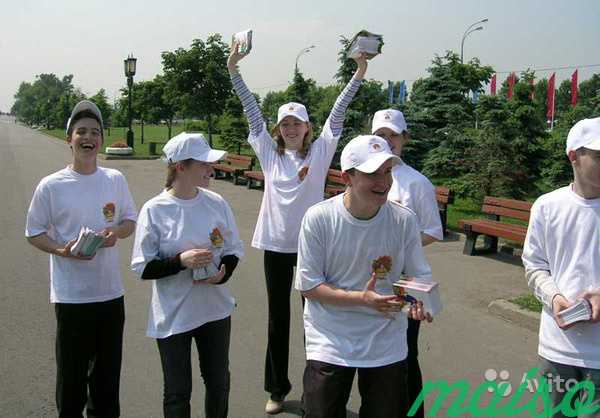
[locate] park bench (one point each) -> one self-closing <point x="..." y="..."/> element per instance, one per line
<point x="335" y="184"/>
<point x="233" y="167"/>
<point x="444" y="197"/>
<point x="255" y="179"/>
<point x="492" y="228"/>
<point x="152" y="147"/>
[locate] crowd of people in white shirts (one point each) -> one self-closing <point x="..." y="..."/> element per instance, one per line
<point x="187" y="246"/>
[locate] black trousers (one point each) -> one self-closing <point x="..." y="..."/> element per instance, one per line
<point x="414" y="379"/>
<point x="279" y="275"/>
<point x="212" y="342"/>
<point x="327" y="389"/>
<point x="89" y="342"/>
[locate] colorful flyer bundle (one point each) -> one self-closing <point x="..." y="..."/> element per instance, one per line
<point x="88" y="242"/>
<point x="244" y="39"/>
<point x="580" y="311"/>
<point x="366" y="42"/>
<point x="428" y="293"/>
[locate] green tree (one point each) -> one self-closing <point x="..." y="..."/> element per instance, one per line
<point x="44" y="102"/>
<point x="101" y="100"/>
<point x="439" y="106"/>
<point x="200" y="78"/>
<point x="233" y="125"/>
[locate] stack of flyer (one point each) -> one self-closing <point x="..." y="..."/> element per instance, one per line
<point x="88" y="242"/>
<point x="579" y="311"/>
<point x="205" y="272"/>
<point x="244" y="40"/>
<point x="366" y="42"/>
<point x="428" y="293"/>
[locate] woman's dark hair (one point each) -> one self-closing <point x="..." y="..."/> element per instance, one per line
<point x="172" y="171"/>
<point x="82" y="115"/>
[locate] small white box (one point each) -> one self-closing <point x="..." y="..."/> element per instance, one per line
<point x="428" y="293"/>
<point x="244" y="39"/>
<point x="366" y="42"/>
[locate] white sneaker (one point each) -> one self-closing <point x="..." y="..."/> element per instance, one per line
<point x="274" y="407"/>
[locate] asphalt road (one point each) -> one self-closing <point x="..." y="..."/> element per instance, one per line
<point x="462" y="343"/>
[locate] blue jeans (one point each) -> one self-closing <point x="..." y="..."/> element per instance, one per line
<point x="212" y="342"/>
<point x="561" y="377"/>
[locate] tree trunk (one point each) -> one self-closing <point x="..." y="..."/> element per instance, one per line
<point x="142" y="121"/>
<point x="169" y="125"/>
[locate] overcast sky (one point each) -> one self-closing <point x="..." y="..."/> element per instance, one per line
<point x="90" y="39"/>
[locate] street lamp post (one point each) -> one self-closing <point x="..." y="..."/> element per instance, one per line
<point x="302" y="51"/>
<point x="470" y="30"/>
<point x="130" y="64"/>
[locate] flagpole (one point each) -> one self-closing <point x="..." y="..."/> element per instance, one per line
<point x="553" y="107"/>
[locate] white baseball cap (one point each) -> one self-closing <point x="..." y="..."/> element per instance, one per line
<point x="296" y="110"/>
<point x="586" y="134"/>
<point x="389" y="118"/>
<point x="82" y="106"/>
<point x="366" y="153"/>
<point x="185" y="146"/>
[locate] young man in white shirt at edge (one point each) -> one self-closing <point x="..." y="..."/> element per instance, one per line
<point x="413" y="190"/>
<point x="87" y="291"/>
<point x="351" y="249"/>
<point x="562" y="264"/>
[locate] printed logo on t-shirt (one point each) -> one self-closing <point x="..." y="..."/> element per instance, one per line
<point x="302" y="173"/>
<point x="382" y="266"/>
<point x="216" y="238"/>
<point x="109" y="212"/>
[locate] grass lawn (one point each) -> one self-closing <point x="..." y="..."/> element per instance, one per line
<point x="528" y="302"/>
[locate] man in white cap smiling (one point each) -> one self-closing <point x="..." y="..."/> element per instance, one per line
<point x="87" y="291"/>
<point x="562" y="264"/>
<point x="351" y="249"/>
<point x="413" y="190"/>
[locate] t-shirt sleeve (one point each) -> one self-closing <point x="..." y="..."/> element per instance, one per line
<point x="310" y="271"/>
<point x="535" y="255"/>
<point x="426" y="208"/>
<point x="39" y="214"/>
<point x="146" y="243"/>
<point x="415" y="264"/>
<point x="265" y="149"/>
<point x="233" y="245"/>
<point x="128" y="210"/>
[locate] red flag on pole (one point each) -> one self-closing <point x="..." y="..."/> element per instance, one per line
<point x="511" y="84"/>
<point x="550" y="112"/>
<point x="493" y="85"/>
<point x="574" y="89"/>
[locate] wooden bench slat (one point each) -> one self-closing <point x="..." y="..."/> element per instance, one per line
<point x="507" y="203"/>
<point x="502" y="211"/>
<point x="484" y="223"/>
<point x="499" y="230"/>
<point x="256" y="175"/>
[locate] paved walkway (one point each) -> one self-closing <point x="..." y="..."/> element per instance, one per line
<point x="462" y="343"/>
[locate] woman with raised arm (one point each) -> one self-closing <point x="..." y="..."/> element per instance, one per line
<point x="295" y="168"/>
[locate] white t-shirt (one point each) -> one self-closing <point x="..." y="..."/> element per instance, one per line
<point x="62" y="203"/>
<point x="563" y="238"/>
<point x="168" y="226"/>
<point x="416" y="192"/>
<point x="337" y="249"/>
<point x="286" y="198"/>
